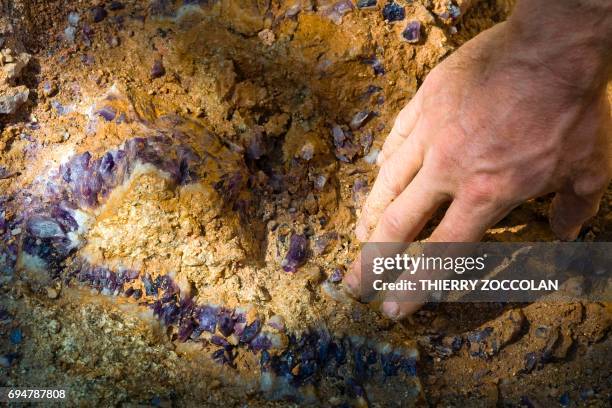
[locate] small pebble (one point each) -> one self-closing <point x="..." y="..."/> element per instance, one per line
<point x="319" y="182"/>
<point x="7" y="360"/>
<point x="54" y="326"/>
<point x="359" y="119"/>
<point x="98" y="14"/>
<point x="49" y="89"/>
<point x="366" y="3"/>
<point x="16" y="336"/>
<point x="267" y="37"/>
<point x="372" y="156"/>
<point x="587" y="393"/>
<point x="73" y="18"/>
<point x="52" y="293"/>
<point x="307" y="152"/>
<point x="454" y="11"/>
<point x="69" y="34"/>
<point x="115" y="5"/>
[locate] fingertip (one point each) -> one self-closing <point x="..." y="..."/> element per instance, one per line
<point x="566" y="234"/>
<point x="391" y="310"/>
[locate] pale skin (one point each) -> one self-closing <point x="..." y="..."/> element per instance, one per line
<point x="518" y="112"/>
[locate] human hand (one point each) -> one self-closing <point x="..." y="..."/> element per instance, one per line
<point x="491" y="127"/>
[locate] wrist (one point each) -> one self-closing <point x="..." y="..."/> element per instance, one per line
<point x="567" y="42"/>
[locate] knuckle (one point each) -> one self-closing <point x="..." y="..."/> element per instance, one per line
<point x="482" y="191"/>
<point x="592" y="185"/>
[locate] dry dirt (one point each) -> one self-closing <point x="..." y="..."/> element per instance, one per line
<point x="258" y="87"/>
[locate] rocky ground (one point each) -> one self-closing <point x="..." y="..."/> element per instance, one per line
<point x="179" y="185"/>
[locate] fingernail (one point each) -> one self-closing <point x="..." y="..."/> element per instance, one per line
<point x="391" y="310"/>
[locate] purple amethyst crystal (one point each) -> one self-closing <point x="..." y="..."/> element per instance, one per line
<point x="359" y="119"/>
<point x="226" y="322"/>
<point x="338" y="135"/>
<point x="376" y="65"/>
<point x="260" y="342"/>
<point x="107" y="164"/>
<point x="219" y="341"/>
<point x="5" y="316"/>
<point x="224" y="356"/>
<point x="412" y="32"/>
<point x="454" y="11"/>
<point x="149" y="287"/>
<point x="250" y="331"/>
<point x="98" y="13"/>
<point x="255" y="149"/>
<point x="336" y="276"/>
<point x="345" y="149"/>
<point x="393" y="12"/>
<point x="322" y="242"/>
<point x="169" y="313"/>
<point x="107" y="112"/>
<point x="277" y="322"/>
<point x="360" y="188"/>
<point x="185" y="330"/>
<point x="336" y="11"/>
<point x="366" y="141"/>
<point x="158" y="70"/>
<point x="390" y="363"/>
<point x="77" y="167"/>
<point x="207" y="319"/>
<point x="63" y="216"/>
<point x="44" y="227"/>
<point x="296" y="255"/>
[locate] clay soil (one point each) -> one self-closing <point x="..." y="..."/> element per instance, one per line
<point x="256" y="76"/>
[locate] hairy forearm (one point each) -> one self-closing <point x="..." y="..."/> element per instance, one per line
<point x="570" y="40"/>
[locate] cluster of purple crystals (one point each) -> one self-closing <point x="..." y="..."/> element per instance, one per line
<point x="345" y="148"/>
<point x="84" y="182"/>
<point x="316" y="354"/>
<point x="90" y="180"/>
<point x="107" y="281"/>
<point x="46" y="234"/>
<point x="296" y="254"/>
<point x="307" y="358"/>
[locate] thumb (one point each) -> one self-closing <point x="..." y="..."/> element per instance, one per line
<point x="568" y="211"/>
